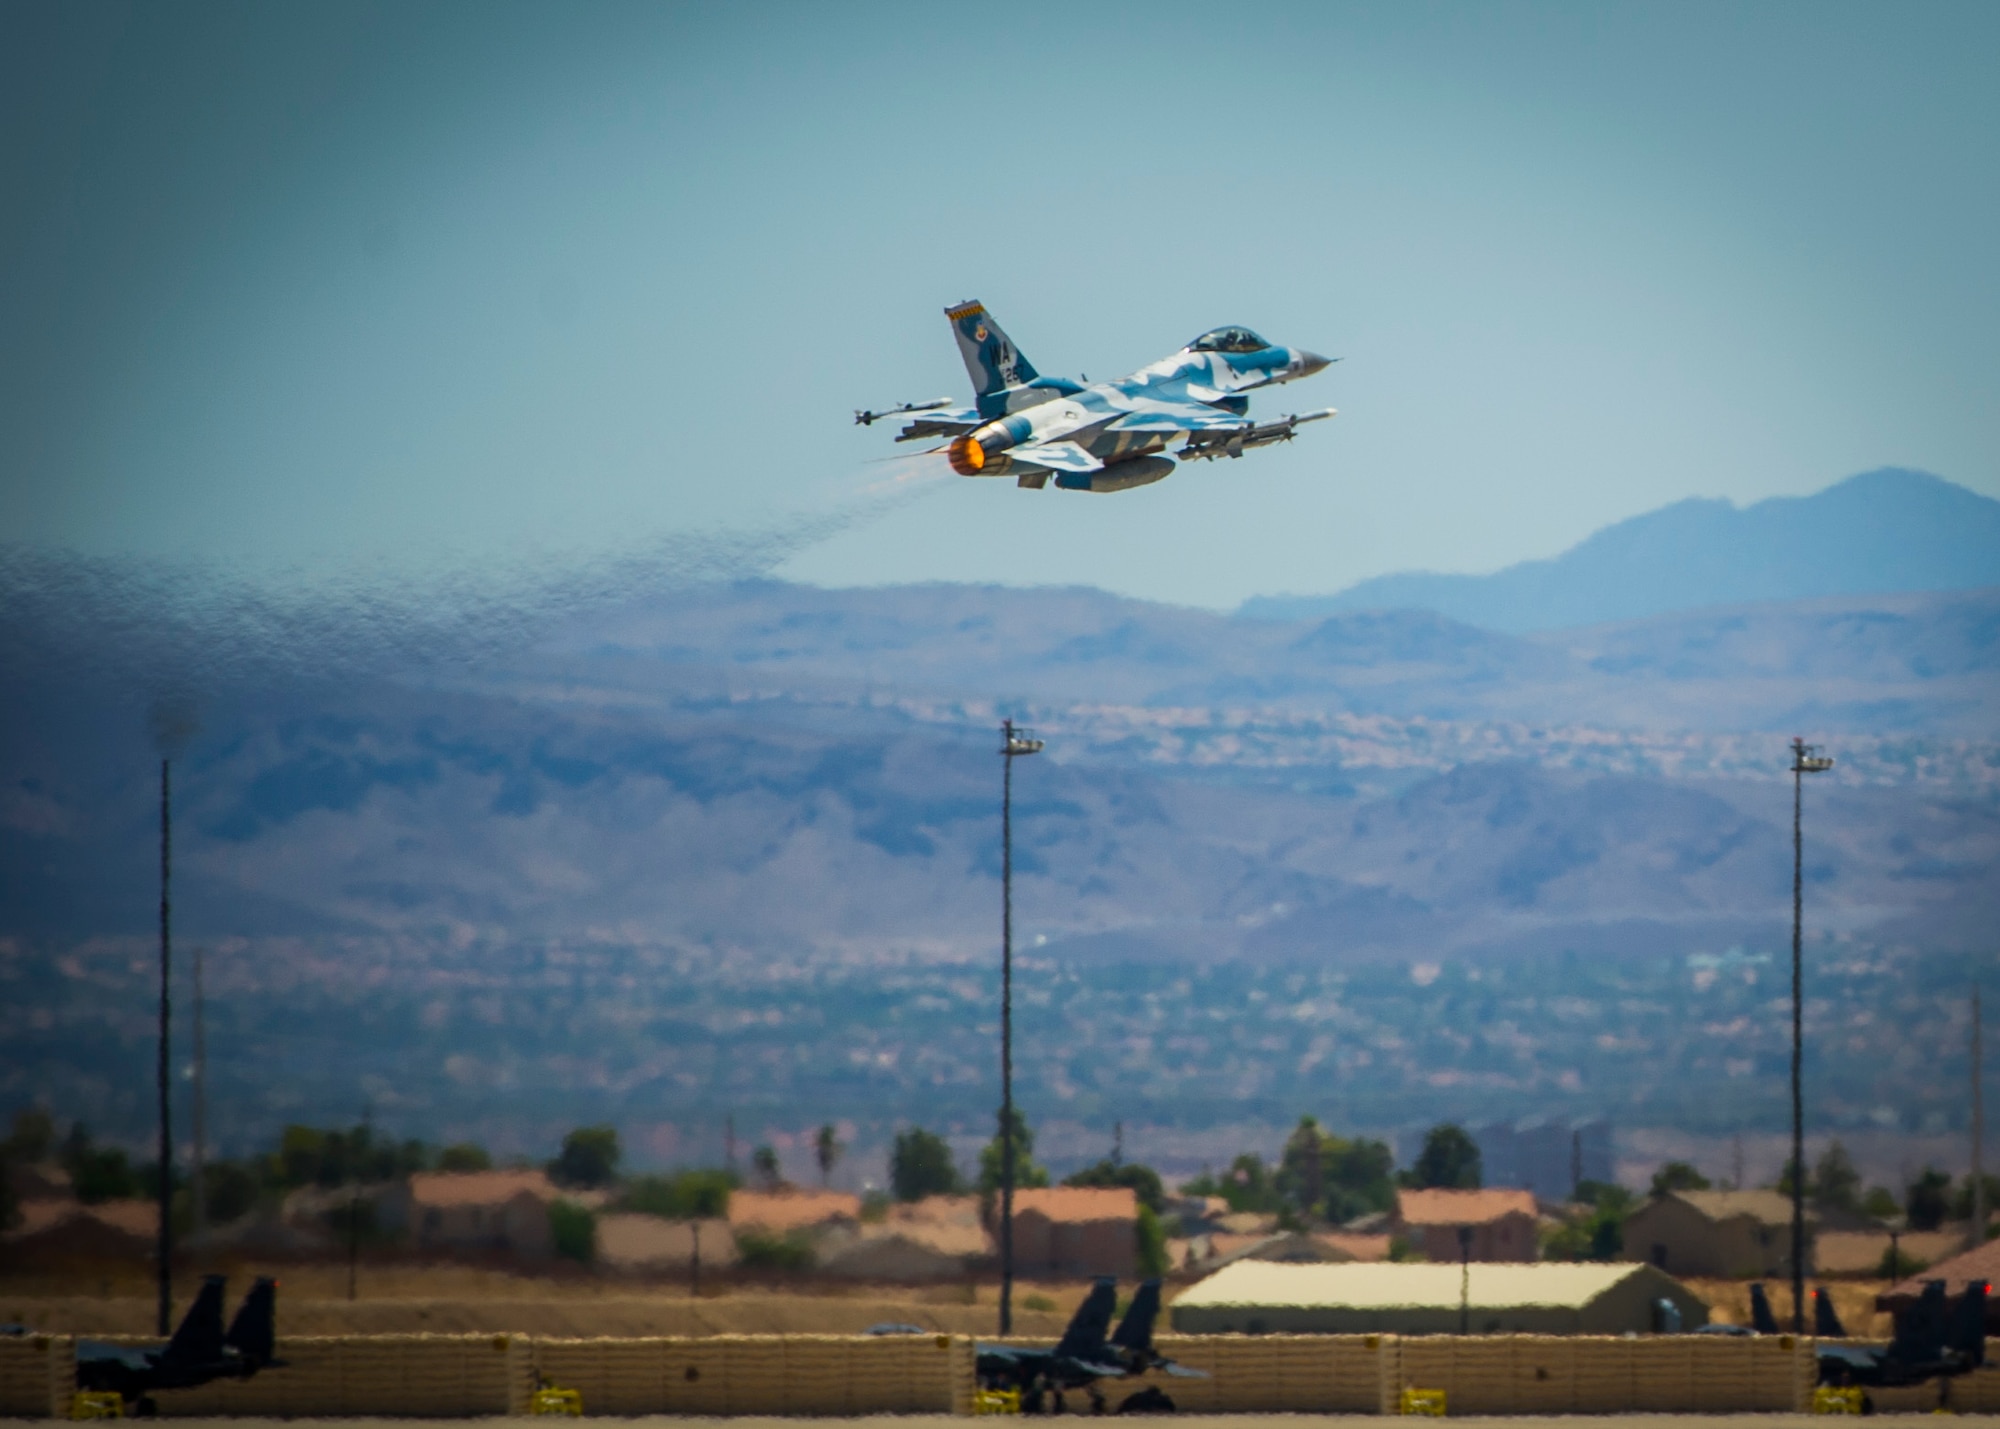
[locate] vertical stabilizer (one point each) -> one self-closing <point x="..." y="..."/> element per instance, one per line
<point x="1761" y="1318"/>
<point x="254" y="1332"/>
<point x="1826" y="1319"/>
<point x="199" y="1338"/>
<point x="1967" y="1334"/>
<point x="1135" y="1331"/>
<point x="991" y="360"/>
<point x="1085" y="1335"/>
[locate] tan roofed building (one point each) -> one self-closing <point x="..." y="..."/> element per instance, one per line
<point x="795" y="1209"/>
<point x="1258" y="1297"/>
<point x="1076" y="1230"/>
<point x="1725" y="1233"/>
<point x="473" y="1210"/>
<point x="1502" y="1224"/>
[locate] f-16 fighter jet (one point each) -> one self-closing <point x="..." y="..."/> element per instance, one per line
<point x="199" y="1351"/>
<point x="1106" y="436"/>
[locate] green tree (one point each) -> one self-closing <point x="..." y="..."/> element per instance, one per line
<point x="1246" y="1186"/>
<point x="1961" y="1197"/>
<point x="1321" y="1174"/>
<point x="97" y="1173"/>
<point x="1449" y="1160"/>
<point x="1836" y="1185"/>
<point x="464" y="1156"/>
<point x="764" y="1166"/>
<point x="1152" y="1246"/>
<point x="992" y="1157"/>
<point x="1928" y="1200"/>
<point x="1678" y="1176"/>
<point x="1880" y="1203"/>
<point x="826" y="1151"/>
<point x="589" y="1158"/>
<point x="33" y="1137"/>
<point x="683" y="1196"/>
<point x="920" y="1165"/>
<point x="1144" y="1181"/>
<point x="574" y="1230"/>
<point x="230" y="1190"/>
<point x="761" y="1250"/>
<point x="1597" y="1231"/>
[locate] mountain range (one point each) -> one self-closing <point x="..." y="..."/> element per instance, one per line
<point x="694" y="799"/>
<point x="1883" y="531"/>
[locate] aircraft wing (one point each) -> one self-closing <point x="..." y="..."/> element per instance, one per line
<point x="1178" y="417"/>
<point x="940" y="422"/>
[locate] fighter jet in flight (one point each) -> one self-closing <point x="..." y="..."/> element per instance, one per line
<point x="1104" y="436"/>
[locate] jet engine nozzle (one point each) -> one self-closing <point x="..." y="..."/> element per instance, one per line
<point x="966" y="455"/>
<point x="982" y="452"/>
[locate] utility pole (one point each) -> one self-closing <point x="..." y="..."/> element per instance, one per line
<point x="197" y="1180"/>
<point x="1806" y="759"/>
<point x="729" y="1143"/>
<point x="164" y="1245"/>
<point x="1977" y="1235"/>
<point x="1013" y="745"/>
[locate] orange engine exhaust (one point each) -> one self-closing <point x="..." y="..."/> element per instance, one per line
<point x="967" y="457"/>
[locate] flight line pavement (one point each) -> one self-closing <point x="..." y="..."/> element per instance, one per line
<point x="1181" y="1421"/>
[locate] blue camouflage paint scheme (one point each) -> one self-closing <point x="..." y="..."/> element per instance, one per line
<point x="1107" y="436"/>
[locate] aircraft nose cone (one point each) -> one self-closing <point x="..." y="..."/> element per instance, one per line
<point x="1310" y="362"/>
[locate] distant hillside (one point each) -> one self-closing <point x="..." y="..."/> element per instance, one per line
<point x="1883" y="531"/>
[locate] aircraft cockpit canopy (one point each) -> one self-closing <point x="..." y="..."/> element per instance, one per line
<point x="1228" y="339"/>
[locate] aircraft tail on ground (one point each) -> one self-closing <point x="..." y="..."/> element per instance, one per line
<point x="1826" y="1320"/>
<point x="199" y="1338"/>
<point x="1135" y="1331"/>
<point x="1920" y="1330"/>
<point x="991" y="359"/>
<point x="1761" y="1318"/>
<point x="1085" y="1335"/>
<point x="254" y="1332"/>
<point x="1967" y="1331"/>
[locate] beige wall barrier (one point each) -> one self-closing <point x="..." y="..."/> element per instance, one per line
<point x="1303" y="1374"/>
<point x="1560" y="1374"/>
<point x="460" y="1376"/>
<point x="401" y="1376"/>
<point x="765" y="1374"/>
<point x="37" y="1376"/>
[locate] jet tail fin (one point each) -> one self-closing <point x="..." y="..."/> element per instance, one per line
<point x="1967" y="1333"/>
<point x="1826" y="1319"/>
<point x="254" y="1332"/>
<point x="1761" y="1318"/>
<point x="991" y="359"/>
<point x="1085" y="1335"/>
<point x="1920" y="1330"/>
<point x="1135" y="1331"/>
<point x="198" y="1340"/>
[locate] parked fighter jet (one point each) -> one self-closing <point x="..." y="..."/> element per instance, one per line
<point x="1933" y="1340"/>
<point x="1105" y="436"/>
<point x="1084" y="1356"/>
<point x="199" y="1351"/>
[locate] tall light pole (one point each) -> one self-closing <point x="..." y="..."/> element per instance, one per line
<point x="1013" y="744"/>
<point x="1806" y="759"/>
<point x="164" y="1247"/>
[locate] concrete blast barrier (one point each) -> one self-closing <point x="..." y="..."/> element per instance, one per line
<point x="37" y="1376"/>
<point x="400" y="1376"/>
<point x="765" y="1374"/>
<point x="1558" y="1374"/>
<point x="463" y="1376"/>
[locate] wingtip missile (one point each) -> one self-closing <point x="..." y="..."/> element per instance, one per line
<point x="864" y="418"/>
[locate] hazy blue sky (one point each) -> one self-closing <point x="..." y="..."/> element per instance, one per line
<point x="439" y="286"/>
